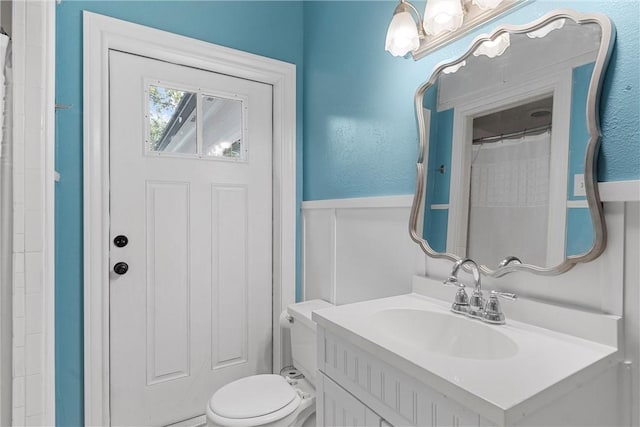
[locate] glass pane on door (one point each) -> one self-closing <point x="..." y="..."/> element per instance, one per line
<point x="222" y="127"/>
<point x="172" y="120"/>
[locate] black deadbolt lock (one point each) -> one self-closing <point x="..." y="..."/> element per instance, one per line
<point x="120" y="241"/>
<point x="121" y="268"/>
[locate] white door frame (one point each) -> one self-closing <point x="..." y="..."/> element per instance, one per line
<point x="102" y="34"/>
<point x="558" y="84"/>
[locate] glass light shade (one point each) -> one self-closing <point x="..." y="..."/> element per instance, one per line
<point x="452" y="69"/>
<point x="402" y="35"/>
<point x="493" y="48"/>
<point x="486" y="4"/>
<point x="442" y="16"/>
<point x="542" y="32"/>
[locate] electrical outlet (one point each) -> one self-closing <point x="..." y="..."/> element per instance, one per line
<point x="578" y="185"/>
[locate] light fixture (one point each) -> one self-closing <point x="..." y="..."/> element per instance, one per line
<point x="539" y="113"/>
<point x="453" y="68"/>
<point x="403" y="36"/>
<point x="542" y="32"/>
<point x="441" y="16"/>
<point x="486" y="4"/>
<point x="493" y="48"/>
<point x="443" y="21"/>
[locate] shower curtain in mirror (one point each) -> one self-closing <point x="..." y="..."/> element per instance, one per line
<point x="509" y="200"/>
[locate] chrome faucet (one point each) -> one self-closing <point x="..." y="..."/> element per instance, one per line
<point x="474" y="306"/>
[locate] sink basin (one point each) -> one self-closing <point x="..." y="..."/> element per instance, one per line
<point x="443" y="333"/>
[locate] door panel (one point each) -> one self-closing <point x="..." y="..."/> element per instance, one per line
<point x="193" y="311"/>
<point x="229" y="346"/>
<point x="167" y="284"/>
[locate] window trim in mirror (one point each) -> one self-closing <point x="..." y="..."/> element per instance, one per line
<point x="592" y="147"/>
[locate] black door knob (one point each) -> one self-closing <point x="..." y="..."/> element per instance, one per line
<point x="121" y="268"/>
<point x="121" y="241"/>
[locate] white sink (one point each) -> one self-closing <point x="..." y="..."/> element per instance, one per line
<point x="502" y="372"/>
<point x="444" y="333"/>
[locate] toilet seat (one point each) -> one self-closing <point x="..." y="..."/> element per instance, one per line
<point x="253" y="401"/>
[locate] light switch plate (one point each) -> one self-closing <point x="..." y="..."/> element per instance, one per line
<point x="578" y="185"/>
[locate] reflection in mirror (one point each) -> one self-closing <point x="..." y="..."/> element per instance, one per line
<point x="509" y="138"/>
<point x="509" y="194"/>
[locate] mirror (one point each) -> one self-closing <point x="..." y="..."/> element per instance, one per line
<point x="509" y="137"/>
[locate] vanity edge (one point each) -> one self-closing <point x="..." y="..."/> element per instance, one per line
<point x="592" y="326"/>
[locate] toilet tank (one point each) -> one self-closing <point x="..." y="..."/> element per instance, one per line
<point x="303" y="336"/>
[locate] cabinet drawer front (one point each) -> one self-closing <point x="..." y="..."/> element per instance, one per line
<point x="398" y="398"/>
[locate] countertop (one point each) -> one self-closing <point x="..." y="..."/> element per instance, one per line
<point x="547" y="364"/>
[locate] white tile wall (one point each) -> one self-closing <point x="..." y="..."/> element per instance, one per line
<point x="29" y="50"/>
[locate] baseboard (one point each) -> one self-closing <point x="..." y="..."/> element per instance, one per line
<point x="200" y="421"/>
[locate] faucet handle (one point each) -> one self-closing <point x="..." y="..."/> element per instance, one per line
<point x="505" y="295"/>
<point x="476" y="304"/>
<point x="452" y="281"/>
<point x="461" y="301"/>
<point x="493" y="311"/>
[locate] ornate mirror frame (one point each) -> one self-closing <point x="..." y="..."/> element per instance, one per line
<point x="592" y="148"/>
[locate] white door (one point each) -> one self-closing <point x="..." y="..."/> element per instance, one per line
<point x="190" y="189"/>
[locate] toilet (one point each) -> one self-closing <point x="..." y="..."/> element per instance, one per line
<point x="271" y="400"/>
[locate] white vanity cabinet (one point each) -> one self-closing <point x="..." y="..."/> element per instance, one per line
<point x="336" y="407"/>
<point x="376" y="373"/>
<point x="353" y="387"/>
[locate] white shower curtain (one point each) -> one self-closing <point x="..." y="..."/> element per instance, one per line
<point x="509" y="201"/>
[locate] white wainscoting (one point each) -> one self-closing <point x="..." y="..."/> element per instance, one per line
<point x="620" y="191"/>
<point x="358" y="249"/>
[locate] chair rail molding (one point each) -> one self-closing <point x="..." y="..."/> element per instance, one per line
<point x="620" y="191"/>
<point x="100" y="35"/>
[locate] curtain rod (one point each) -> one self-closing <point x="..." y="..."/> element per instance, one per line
<point x="511" y="135"/>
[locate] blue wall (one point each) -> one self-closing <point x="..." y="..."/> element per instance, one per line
<point x="272" y="29"/>
<point x="360" y="136"/>
<point x="579" y="232"/>
<point x="579" y="132"/>
<point x="438" y="179"/>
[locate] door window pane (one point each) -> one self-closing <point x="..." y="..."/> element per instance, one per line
<point x="172" y="120"/>
<point x="222" y="127"/>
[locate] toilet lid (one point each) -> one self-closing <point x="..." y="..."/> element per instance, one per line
<point x="253" y="396"/>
